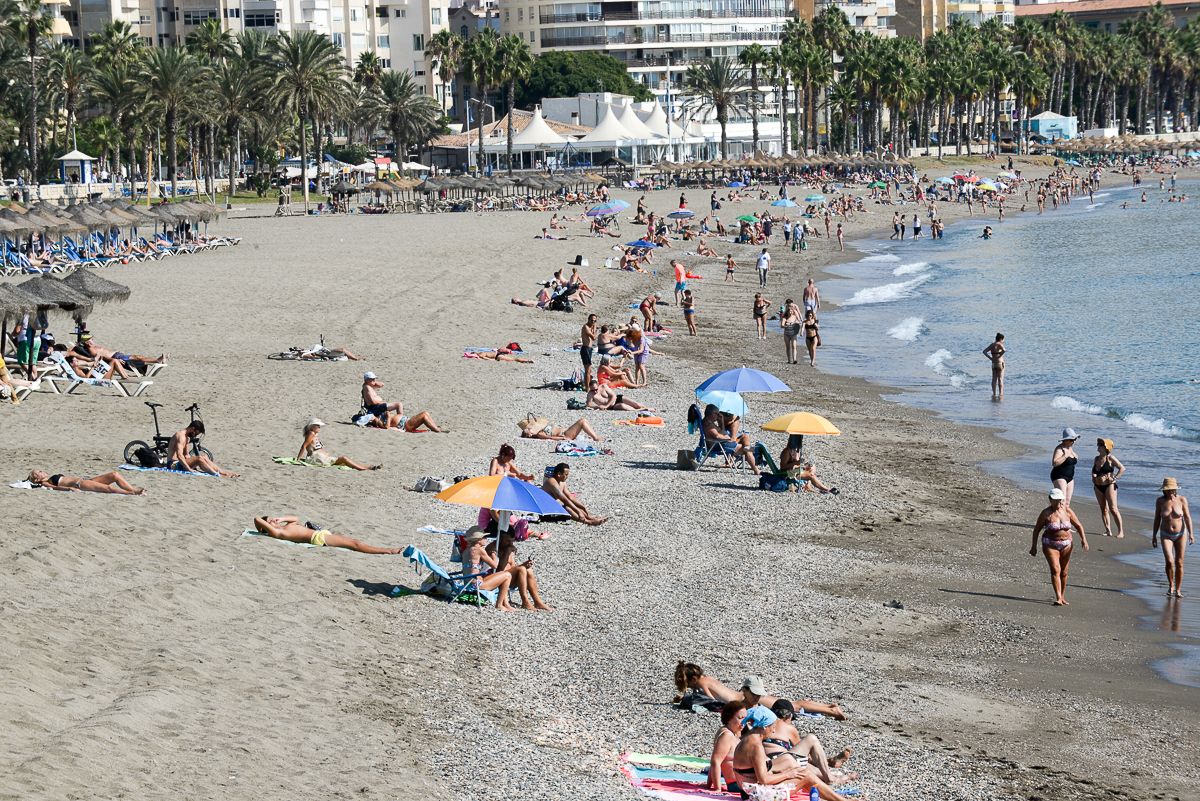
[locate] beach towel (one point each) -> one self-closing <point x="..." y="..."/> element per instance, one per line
<point x="165" y="470"/>
<point x="573" y="448"/>
<point x="252" y="532"/>
<point x="21" y="485"/>
<point x="652" y="422"/>
<point x="300" y="463"/>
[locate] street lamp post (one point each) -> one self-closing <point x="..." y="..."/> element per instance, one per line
<point x="491" y="108"/>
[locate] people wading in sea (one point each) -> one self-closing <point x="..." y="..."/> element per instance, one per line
<point x="995" y="353"/>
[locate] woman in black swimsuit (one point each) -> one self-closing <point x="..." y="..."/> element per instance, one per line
<point x="761" y="305"/>
<point x="752" y="765"/>
<point x="812" y="337"/>
<point x="112" y="483"/>
<point x="1062" y="464"/>
<point x="1105" y="472"/>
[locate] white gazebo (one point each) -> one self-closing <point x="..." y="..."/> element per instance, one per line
<point x="75" y="168"/>
<point x="631" y="122"/>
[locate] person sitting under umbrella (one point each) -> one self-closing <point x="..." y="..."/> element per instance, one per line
<point x="556" y="486"/>
<point x="732" y="443"/>
<point x="521" y="572"/>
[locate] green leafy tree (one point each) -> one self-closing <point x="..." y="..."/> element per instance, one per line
<point x="168" y="77"/>
<point x="410" y="117"/>
<point x="29" y="22"/>
<point x="566" y="74"/>
<point x="481" y="65"/>
<point x="754" y="57"/>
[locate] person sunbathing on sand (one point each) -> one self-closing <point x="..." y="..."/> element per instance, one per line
<point x="504" y="464"/>
<point x="112" y="483"/>
<point x="391" y="415"/>
<point x="179" y="460"/>
<point x="615" y="377"/>
<point x="709" y="691"/>
<point x="720" y="764"/>
<point x="752" y="765"/>
<point x="543" y="298"/>
<point x="289" y="528"/>
<point x="807" y="748"/>
<point x="556" y="485"/>
<point x="476" y="560"/>
<point x="314" y="453"/>
<point x="753" y="692"/>
<point x="602" y="397"/>
<point x="540" y="428"/>
<point x="501" y="355"/>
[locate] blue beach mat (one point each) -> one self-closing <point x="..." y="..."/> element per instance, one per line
<point x="165" y="470"/>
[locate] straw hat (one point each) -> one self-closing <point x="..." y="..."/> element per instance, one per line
<point x="1169" y="484"/>
<point x="532" y="426"/>
<point x="1107" y="443"/>
<point x="475" y="534"/>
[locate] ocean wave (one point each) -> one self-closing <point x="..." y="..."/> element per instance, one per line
<point x="911" y="267"/>
<point x="886" y="293"/>
<point x="908" y="329"/>
<point x="880" y="257"/>
<point x="938" y="362"/>
<point x="1158" y="426"/>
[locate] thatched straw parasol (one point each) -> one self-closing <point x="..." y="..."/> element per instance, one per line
<point x="14" y="301"/>
<point x="379" y="186"/>
<point x="54" y="294"/>
<point x="98" y="289"/>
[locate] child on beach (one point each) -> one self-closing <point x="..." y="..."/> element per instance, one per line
<point x="689" y="312"/>
<point x="730" y="267"/>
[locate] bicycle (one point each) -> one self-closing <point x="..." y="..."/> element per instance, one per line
<point x="141" y="454"/>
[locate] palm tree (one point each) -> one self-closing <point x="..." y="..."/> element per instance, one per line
<point x="410" y="117"/>
<point x="308" y="72"/>
<point x="116" y="44"/>
<point x="236" y="91"/>
<point x="718" y="85"/>
<point x="112" y="88"/>
<point x="445" y="50"/>
<point x="368" y="70"/>
<point x="752" y="57"/>
<point x="211" y="42"/>
<point x="515" y="62"/>
<point x="28" y="22"/>
<point x="831" y="29"/>
<point x="68" y="72"/>
<point x="168" y="77"/>
<point x="480" y="63"/>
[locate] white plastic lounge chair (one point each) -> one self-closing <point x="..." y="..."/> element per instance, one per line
<point x="75" y="381"/>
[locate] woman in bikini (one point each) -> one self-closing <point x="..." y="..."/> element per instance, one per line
<point x="1062" y="464"/>
<point x="807" y="749"/>
<point x="314" y="453"/>
<point x="720" y="764"/>
<point x="289" y="528"/>
<point x="790" y="321"/>
<point x="1105" y="472"/>
<point x="476" y="561"/>
<point x="812" y="337"/>
<point x="540" y="428"/>
<point x="761" y="305"/>
<point x="1054" y="525"/>
<point x="111" y="483"/>
<point x="752" y="765"/>
<point x="505" y="464"/>
<point x="1172" y="520"/>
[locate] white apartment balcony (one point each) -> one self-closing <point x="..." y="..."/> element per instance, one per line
<point x="618" y="39"/>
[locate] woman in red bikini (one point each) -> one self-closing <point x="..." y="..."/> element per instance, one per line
<point x="1055" y="525"/>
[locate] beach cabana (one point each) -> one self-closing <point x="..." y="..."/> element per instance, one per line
<point x="75" y="168"/>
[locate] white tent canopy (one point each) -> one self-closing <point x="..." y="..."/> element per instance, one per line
<point x="537" y="135"/>
<point x="631" y="122"/>
<point x="608" y="133"/>
<point x="656" y="120"/>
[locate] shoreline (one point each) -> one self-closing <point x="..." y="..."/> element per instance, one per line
<point x="151" y="626"/>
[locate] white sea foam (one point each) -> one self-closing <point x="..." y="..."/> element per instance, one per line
<point x="938" y="361"/>
<point x="1067" y="403"/>
<point x="1157" y="426"/>
<point x="880" y="257"/>
<point x="886" y="293"/>
<point x="911" y="267"/>
<point x="908" y="329"/>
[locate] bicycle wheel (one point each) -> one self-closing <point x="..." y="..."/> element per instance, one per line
<point x="199" y="450"/>
<point x="284" y="357"/>
<point x="132" y="451"/>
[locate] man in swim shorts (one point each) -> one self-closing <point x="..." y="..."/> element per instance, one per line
<point x="389" y="414"/>
<point x="180" y="460"/>
<point x="680" y="280"/>
<point x="587" y="347"/>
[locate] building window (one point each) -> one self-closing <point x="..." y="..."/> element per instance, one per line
<point x="386" y="63"/>
<point x="383" y="41"/>
<point x="520" y="14"/>
<point x="144" y="19"/>
<point x="418" y="42"/>
<point x="381" y="11"/>
<point x="233" y="13"/>
<point x="337" y="39"/>
<point x="260" y="19"/>
<point x="354" y="15"/>
<point x="506" y="16"/>
<point x="197" y="17"/>
<point x="435" y="16"/>
<point x="400" y="12"/>
<point x="464" y="32"/>
<point x="358" y="41"/>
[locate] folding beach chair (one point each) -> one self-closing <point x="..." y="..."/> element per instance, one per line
<point x="451" y="586"/>
<point x="706" y="450"/>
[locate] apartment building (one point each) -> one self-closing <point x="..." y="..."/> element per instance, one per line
<point x="978" y="13"/>
<point x="920" y="19"/>
<point x="395" y="30"/>
<point x="872" y="16"/>
<point x="656" y="40"/>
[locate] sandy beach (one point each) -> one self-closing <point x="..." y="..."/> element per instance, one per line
<point x="153" y="651"/>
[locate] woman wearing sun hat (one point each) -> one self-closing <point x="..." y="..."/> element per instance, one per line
<point x="314" y="453"/>
<point x="1106" y="469"/>
<point x="1062" y="464"/>
<point x="1055" y="525"/>
<point x="1172" y="520"/>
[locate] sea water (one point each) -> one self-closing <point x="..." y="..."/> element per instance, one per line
<point x="1099" y="308"/>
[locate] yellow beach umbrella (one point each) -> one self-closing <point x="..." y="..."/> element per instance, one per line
<point x="805" y="423"/>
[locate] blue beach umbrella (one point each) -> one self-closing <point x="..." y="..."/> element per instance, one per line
<point x="743" y="379"/>
<point x="729" y="402"/>
<point x="736" y="184"/>
<point x="682" y="214"/>
<point x="641" y="243"/>
<point x="608" y="209"/>
<point x="814" y="198"/>
<point x="785" y="202"/>
<point x="945" y="179"/>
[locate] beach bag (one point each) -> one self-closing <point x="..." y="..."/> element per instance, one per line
<point x="774" y="483"/>
<point x="431" y="484"/>
<point x="144" y="457"/>
<point x="685" y="459"/>
<point x="575" y="403"/>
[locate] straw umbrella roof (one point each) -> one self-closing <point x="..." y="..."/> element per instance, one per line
<point x="14" y="301"/>
<point x="379" y="186"/>
<point x="52" y="293"/>
<point x="89" y="218"/>
<point x="98" y="289"/>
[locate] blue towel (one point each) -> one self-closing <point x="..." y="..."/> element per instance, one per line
<point x="453" y="532"/>
<point x="165" y="470"/>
